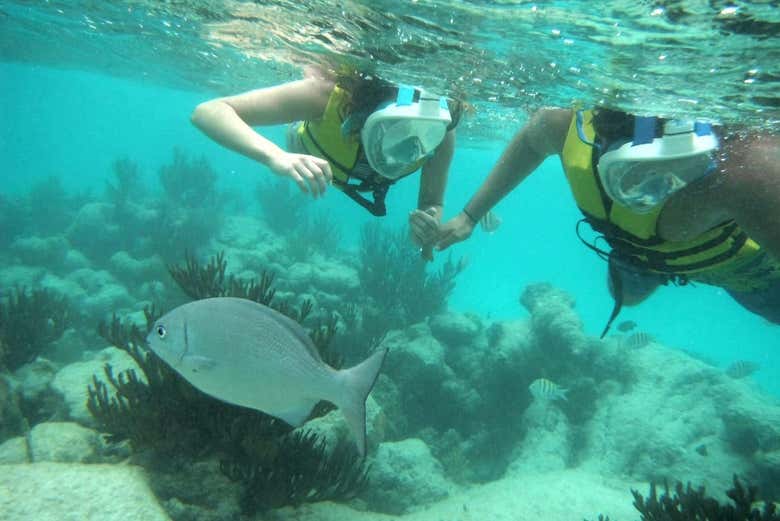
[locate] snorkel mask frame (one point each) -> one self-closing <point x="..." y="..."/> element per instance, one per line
<point x="399" y="134"/>
<point x="644" y="172"/>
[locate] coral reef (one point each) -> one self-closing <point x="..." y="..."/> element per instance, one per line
<point x="191" y="209"/>
<point x="316" y="233"/>
<point x="49" y="194"/>
<point x="30" y="321"/>
<point x="396" y="288"/>
<point x="168" y="419"/>
<point x="688" y="504"/>
<point x="298" y="470"/>
<point x="395" y="277"/>
<point x="282" y="207"/>
<point x="12" y="422"/>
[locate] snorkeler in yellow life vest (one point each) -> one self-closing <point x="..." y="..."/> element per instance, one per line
<point x="349" y="129"/>
<point x="621" y="188"/>
<point x="369" y="151"/>
<point x="622" y="197"/>
<point x="673" y="200"/>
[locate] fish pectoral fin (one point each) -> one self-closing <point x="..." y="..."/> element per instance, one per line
<point x="198" y="363"/>
<point x="296" y="415"/>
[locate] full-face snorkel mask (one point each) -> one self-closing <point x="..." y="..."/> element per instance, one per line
<point x="644" y="172"/>
<point x="399" y="134"/>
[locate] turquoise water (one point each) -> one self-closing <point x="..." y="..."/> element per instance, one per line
<point x="62" y="127"/>
<point x="82" y="85"/>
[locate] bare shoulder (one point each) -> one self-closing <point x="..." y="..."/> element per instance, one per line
<point x="548" y="128"/>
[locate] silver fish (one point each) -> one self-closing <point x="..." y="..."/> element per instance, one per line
<point x="248" y="354"/>
<point x="544" y="389"/>
<point x="636" y="340"/>
<point x="490" y="222"/>
<point x="741" y="369"/>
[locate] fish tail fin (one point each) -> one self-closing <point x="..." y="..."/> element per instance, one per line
<point x="562" y="394"/>
<point x="358" y="382"/>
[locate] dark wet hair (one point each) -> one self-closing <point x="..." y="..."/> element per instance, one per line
<point x="612" y="125"/>
<point x="367" y="91"/>
<point x="615" y="125"/>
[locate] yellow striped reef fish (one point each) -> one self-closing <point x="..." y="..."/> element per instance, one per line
<point x="547" y="390"/>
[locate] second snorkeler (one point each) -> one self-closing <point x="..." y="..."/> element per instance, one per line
<point x="357" y="132"/>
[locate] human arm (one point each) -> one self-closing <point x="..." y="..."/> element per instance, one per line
<point x="541" y="137"/>
<point x="229" y="122"/>
<point x="424" y="221"/>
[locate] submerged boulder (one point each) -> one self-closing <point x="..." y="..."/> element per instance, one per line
<point x="405" y="475"/>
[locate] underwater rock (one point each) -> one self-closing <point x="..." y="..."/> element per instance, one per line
<point x="394" y="425"/>
<point x="100" y="292"/>
<point x="63" y="442"/>
<point x="553" y="496"/>
<point x="430" y="393"/>
<point x="21" y="276"/>
<point x="546" y="445"/>
<point x="41" y="251"/>
<point x="93" y="232"/>
<point x="72" y="380"/>
<point x="34" y="378"/>
<point x="330" y="275"/>
<point x="12" y="422"/>
<point x="651" y="429"/>
<point x="324" y="274"/>
<point x="554" y="322"/>
<point x="75" y="260"/>
<point x="64" y="286"/>
<point x="69" y="348"/>
<point x="404" y="475"/>
<point x="135" y="270"/>
<point x="751" y="423"/>
<point x="14" y="450"/>
<point x="197" y="491"/>
<point x="455" y="328"/>
<point x="417" y="358"/>
<point x="57" y="491"/>
<point x="244" y="232"/>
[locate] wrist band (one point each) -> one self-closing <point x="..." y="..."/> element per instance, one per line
<point x="473" y="221"/>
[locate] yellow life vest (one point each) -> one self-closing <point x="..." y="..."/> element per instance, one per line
<point x="324" y="138"/>
<point x="722" y="256"/>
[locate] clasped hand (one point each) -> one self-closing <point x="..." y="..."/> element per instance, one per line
<point x="311" y="174"/>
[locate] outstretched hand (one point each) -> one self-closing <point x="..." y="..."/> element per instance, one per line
<point x="311" y="174"/>
<point x="424" y="230"/>
<point x="457" y="229"/>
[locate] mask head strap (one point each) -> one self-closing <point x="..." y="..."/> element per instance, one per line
<point x="405" y="96"/>
<point x="644" y="130"/>
<point x="702" y="129"/>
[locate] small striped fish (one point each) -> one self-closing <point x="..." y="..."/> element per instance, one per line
<point x="636" y="340"/>
<point x="741" y="369"/>
<point x="490" y="222"/>
<point x="544" y="389"/>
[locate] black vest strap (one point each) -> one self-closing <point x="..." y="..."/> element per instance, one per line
<point x="375" y="207"/>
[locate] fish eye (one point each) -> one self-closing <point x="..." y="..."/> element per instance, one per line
<point x="161" y="331"/>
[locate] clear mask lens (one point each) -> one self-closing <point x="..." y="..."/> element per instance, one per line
<point x="644" y="185"/>
<point x="397" y="145"/>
